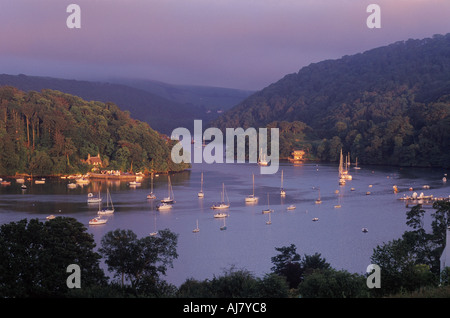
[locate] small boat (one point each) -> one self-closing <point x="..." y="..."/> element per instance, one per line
<point x="315" y="219"/>
<point x="200" y="194"/>
<point x="252" y="198"/>
<point x="368" y="193"/>
<point x="50" y="217"/>
<point x="170" y="198"/>
<point x="364" y="230"/>
<point x="108" y="209"/>
<point x="224" y="226"/>
<point x="6" y="183"/>
<point x="41" y="181"/>
<point x="282" y="192"/>
<point x="20" y="180"/>
<point x="220" y="215"/>
<point x="222" y="205"/>
<point x="291" y="207"/>
<point x="268" y="210"/>
<point x="262" y="159"/>
<point x="23" y="187"/>
<point x="151" y="195"/>
<point x="97" y="221"/>
<point x="82" y="181"/>
<point x="134" y="184"/>
<point x="164" y="206"/>
<point x="318" y="201"/>
<point x="196" y="230"/>
<point x="155" y="232"/>
<point x="72" y="185"/>
<point x="92" y="199"/>
<point x="337" y="206"/>
<point x="269" y="221"/>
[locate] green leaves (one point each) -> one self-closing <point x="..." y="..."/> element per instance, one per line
<point x="34" y="257"/>
<point x="138" y="259"/>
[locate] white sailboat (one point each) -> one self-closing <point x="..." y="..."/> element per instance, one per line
<point x="262" y="159"/>
<point x="155" y="232"/>
<point x="97" y="221"/>
<point x="268" y="210"/>
<point x="151" y="195"/>
<point x="92" y="199"/>
<point x="356" y="165"/>
<point x="222" y="204"/>
<point x="252" y="198"/>
<point x="224" y="226"/>
<point x="170" y="197"/>
<point x="109" y="209"/>
<point x="319" y="201"/>
<point x="269" y="221"/>
<point x="201" y="194"/>
<point x="164" y="206"/>
<point x="282" y="192"/>
<point x="196" y="230"/>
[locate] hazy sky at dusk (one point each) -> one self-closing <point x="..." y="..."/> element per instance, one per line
<point x="244" y="44"/>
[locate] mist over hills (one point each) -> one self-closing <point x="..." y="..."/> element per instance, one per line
<point x="163" y="106"/>
<point x="388" y="105"/>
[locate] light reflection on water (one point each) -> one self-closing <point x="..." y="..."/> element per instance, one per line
<point x="248" y="242"/>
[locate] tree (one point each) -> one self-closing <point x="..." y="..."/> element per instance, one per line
<point x="287" y="264"/>
<point x="34" y="257"/>
<point x="139" y="261"/>
<point x="331" y="283"/>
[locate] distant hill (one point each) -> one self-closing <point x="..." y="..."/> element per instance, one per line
<point x="50" y="133"/>
<point x="163" y="106"/>
<point x="389" y="105"/>
<point x="208" y="97"/>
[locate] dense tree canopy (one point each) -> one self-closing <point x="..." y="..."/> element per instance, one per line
<point x="389" y="105"/>
<point x="34" y="257"/>
<point x="52" y="133"/>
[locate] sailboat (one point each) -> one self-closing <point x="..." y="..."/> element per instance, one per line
<point x="164" y="206"/>
<point x="222" y="204"/>
<point x="356" y="164"/>
<point x="224" y="226"/>
<point x="341" y="170"/>
<point x="251" y="198"/>
<point x="262" y="159"/>
<point x="97" y="221"/>
<point x="270" y="221"/>
<point x="92" y="199"/>
<point x="196" y="230"/>
<point x="282" y="192"/>
<point x="318" y="201"/>
<point x="154" y="233"/>
<point x="108" y="209"/>
<point x="201" y="194"/>
<point x="151" y="195"/>
<point x="268" y="210"/>
<point x="170" y="198"/>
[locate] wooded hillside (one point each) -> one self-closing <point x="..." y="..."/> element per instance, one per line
<point x="51" y="133"/>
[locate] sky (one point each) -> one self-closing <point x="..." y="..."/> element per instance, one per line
<point x="245" y="44"/>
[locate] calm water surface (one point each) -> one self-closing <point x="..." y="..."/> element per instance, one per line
<point x="248" y="243"/>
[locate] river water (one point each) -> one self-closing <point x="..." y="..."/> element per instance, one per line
<point x="248" y="242"/>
